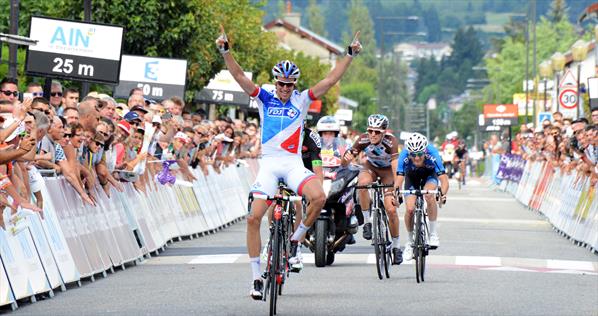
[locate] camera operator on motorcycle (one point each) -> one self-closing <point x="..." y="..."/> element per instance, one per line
<point x="448" y="152"/>
<point x="281" y="120"/>
<point x="381" y="151"/>
<point x="420" y="167"/>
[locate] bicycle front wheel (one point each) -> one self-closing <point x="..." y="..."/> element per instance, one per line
<point x="387" y="243"/>
<point x="378" y="243"/>
<point x="274" y="267"/>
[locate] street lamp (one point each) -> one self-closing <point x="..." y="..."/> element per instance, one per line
<point x="545" y="72"/>
<point x="579" y="51"/>
<point x="558" y="61"/>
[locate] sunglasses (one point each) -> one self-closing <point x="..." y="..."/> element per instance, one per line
<point x="374" y="131"/>
<point x="418" y="154"/>
<point x="99" y="143"/>
<point x="45" y="111"/>
<point x="8" y="93"/>
<point x="285" y="84"/>
<point x="56" y="94"/>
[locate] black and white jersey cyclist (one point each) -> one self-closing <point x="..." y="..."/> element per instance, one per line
<point x="420" y="167"/>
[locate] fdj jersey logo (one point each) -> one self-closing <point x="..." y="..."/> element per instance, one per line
<point x="151" y="70"/>
<point x="72" y="37"/>
<point x="280" y="112"/>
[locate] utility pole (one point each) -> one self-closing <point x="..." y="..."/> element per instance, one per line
<point x="86" y="18"/>
<point x="527" y="64"/>
<point x="534" y="64"/>
<point x="12" y="48"/>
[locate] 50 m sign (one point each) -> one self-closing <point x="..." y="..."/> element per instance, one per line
<point x="75" y="50"/>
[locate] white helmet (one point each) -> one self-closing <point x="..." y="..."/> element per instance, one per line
<point x="378" y="121"/>
<point x="416" y="143"/>
<point x="328" y="124"/>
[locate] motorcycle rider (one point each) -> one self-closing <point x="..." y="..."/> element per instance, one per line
<point x="381" y="151"/>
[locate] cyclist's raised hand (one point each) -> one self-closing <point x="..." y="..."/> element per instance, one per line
<point x="355" y="46"/>
<point x="222" y="41"/>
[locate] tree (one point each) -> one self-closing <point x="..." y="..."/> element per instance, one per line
<point x="558" y="11"/>
<point x="360" y="20"/>
<point x="336" y="19"/>
<point x="315" y="18"/>
<point x="432" y="22"/>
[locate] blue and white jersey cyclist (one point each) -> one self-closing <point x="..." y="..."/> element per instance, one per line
<point x="282" y="113"/>
<point x="420" y="167"/>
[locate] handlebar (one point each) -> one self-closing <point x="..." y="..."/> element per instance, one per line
<point x="418" y="192"/>
<point x="374" y="186"/>
<point x="277" y="197"/>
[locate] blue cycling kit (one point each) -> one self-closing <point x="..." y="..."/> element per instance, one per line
<point x="417" y="177"/>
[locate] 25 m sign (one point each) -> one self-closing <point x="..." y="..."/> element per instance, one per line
<point x="75" y="50"/>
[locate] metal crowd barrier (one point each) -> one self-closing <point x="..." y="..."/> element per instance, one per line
<point x="76" y="241"/>
<point x="566" y="199"/>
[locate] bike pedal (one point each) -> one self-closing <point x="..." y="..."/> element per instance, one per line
<point x="433" y="247"/>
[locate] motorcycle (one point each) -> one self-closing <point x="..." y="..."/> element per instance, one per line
<point x="336" y="223"/>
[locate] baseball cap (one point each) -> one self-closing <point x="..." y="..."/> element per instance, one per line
<point x="125" y="126"/>
<point x="183" y="137"/>
<point x="139" y="108"/>
<point x="17" y="131"/>
<point x="132" y="116"/>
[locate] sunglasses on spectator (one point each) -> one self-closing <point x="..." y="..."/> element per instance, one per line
<point x="285" y="84"/>
<point x="98" y="143"/>
<point x="45" y="111"/>
<point x="374" y="131"/>
<point x="104" y="134"/>
<point x="8" y="93"/>
<point x="56" y="94"/>
<point x="417" y="154"/>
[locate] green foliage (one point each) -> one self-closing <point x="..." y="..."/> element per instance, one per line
<point x="359" y="20"/>
<point x="315" y="18"/>
<point x="363" y="92"/>
<point x="507" y="70"/>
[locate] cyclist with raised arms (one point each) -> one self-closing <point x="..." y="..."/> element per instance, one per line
<point x="381" y="152"/>
<point x="281" y="119"/>
<point x="420" y="167"/>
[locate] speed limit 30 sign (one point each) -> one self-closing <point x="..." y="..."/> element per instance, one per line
<point x="568" y="98"/>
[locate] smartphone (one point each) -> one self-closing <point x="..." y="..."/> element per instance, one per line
<point x="27" y="95"/>
<point x="167" y="116"/>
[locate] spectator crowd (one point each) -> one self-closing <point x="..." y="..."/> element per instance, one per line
<point x="565" y="143"/>
<point x="97" y="143"/>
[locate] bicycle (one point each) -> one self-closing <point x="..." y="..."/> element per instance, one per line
<point x="281" y="228"/>
<point x="381" y="235"/>
<point x="460" y="168"/>
<point x="420" y="230"/>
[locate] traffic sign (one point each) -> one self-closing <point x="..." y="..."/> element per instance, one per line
<point x="159" y="78"/>
<point x="568" y="98"/>
<point x="569" y="80"/>
<point x="74" y="50"/>
<point x="543" y="116"/>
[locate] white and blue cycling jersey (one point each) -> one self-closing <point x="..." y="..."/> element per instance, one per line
<point x="282" y="124"/>
<point x="432" y="164"/>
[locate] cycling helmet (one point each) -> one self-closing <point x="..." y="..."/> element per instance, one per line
<point x="328" y="124"/>
<point x="416" y="143"/>
<point x="378" y="121"/>
<point x="286" y="69"/>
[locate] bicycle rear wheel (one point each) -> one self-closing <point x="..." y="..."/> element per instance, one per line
<point x="378" y="243"/>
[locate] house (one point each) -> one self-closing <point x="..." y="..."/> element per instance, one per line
<point x="413" y="51"/>
<point x="291" y="35"/>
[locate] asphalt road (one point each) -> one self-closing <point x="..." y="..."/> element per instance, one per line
<point x="495" y="258"/>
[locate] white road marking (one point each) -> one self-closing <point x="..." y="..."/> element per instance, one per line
<point x="477" y="261"/>
<point x="479" y="198"/>
<point x="493" y="220"/>
<point x="511" y="269"/>
<point x="215" y="259"/>
<point x="570" y="265"/>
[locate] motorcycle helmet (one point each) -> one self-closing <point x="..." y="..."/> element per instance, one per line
<point x="328" y="124"/>
<point x="416" y="143"/>
<point x="378" y="121"/>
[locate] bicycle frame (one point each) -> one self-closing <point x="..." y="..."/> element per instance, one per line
<point x="279" y="245"/>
